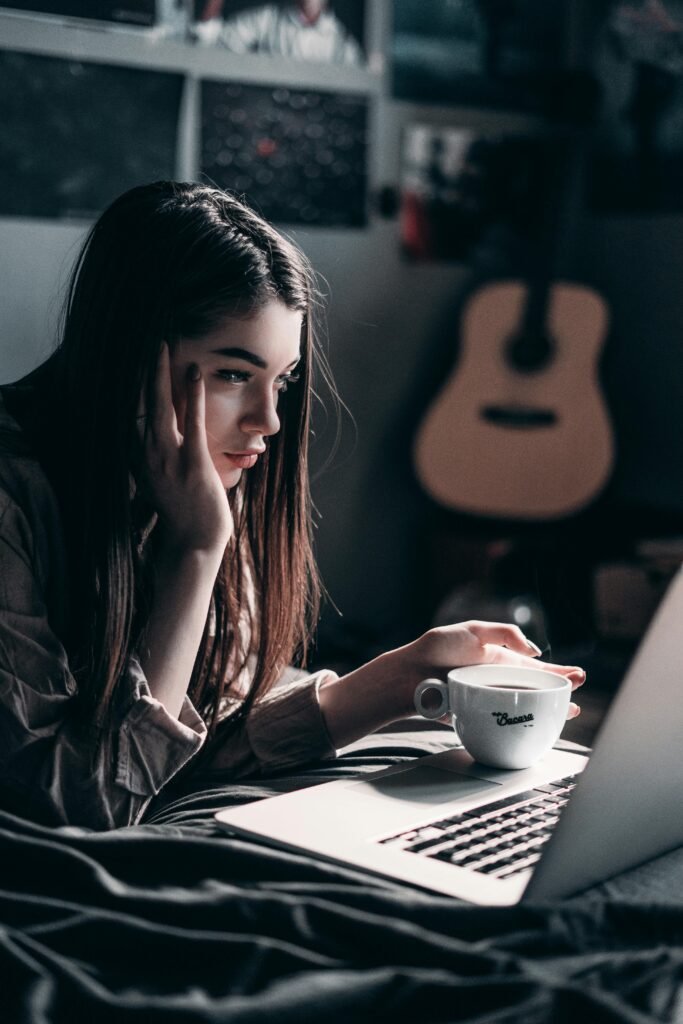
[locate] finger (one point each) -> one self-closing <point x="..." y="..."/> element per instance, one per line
<point x="573" y="711"/>
<point x="494" y="654"/>
<point x="141" y="412"/>
<point x="505" y="635"/>
<point x="574" y="674"/>
<point x="141" y="416"/>
<point x="164" y="423"/>
<point x="194" y="437"/>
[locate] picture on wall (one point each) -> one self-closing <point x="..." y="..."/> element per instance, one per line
<point x="77" y="134"/>
<point x="299" y="156"/>
<point x="326" y="31"/>
<point x="637" y="153"/>
<point x="129" y="12"/>
<point x="459" y="186"/>
<point x="492" y="53"/>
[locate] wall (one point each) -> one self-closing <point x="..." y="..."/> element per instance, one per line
<point x="392" y="327"/>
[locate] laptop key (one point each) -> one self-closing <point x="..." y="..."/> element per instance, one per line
<point x="487" y="809"/>
<point x="427" y="844"/>
<point x="447" y="822"/>
<point x="551" y="787"/>
<point x="493" y="862"/>
<point x="520" y="865"/>
<point x="489" y="868"/>
<point x="407" y="835"/>
<point x="429" y="832"/>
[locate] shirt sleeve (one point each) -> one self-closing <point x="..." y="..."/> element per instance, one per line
<point x="46" y="770"/>
<point x="283" y="730"/>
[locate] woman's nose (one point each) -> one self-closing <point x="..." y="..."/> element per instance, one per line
<point x="261" y="417"/>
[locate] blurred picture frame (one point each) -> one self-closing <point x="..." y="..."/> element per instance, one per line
<point x="460" y="186"/>
<point x="298" y="155"/>
<point x="320" y="31"/>
<point x="505" y="54"/>
<point x="636" y="162"/>
<point x="79" y="133"/>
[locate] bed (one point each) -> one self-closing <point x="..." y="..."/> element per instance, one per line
<point x="174" y="921"/>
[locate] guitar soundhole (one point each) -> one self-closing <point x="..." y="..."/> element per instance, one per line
<point x="530" y="352"/>
<point x="519" y="417"/>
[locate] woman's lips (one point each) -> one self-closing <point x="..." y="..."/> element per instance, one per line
<point x="242" y="461"/>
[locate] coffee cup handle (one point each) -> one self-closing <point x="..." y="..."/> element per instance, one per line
<point x="432" y="684"/>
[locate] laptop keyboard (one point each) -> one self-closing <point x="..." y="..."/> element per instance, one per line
<point x="499" y="839"/>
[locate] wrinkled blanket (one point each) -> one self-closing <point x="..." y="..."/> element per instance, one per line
<point x="174" y="921"/>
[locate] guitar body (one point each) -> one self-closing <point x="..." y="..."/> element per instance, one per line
<point x="521" y="444"/>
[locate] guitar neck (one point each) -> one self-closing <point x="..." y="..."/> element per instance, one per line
<point x="561" y="157"/>
<point x="536" y="305"/>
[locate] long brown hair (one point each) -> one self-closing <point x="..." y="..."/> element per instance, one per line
<point x="168" y="261"/>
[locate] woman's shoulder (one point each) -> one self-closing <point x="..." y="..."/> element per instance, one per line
<point x="30" y="523"/>
<point x="23" y="482"/>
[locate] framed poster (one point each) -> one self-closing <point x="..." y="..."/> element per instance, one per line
<point x="78" y="134"/>
<point x="492" y="53"/>
<point x="458" y="184"/>
<point x="325" y="31"/>
<point x="637" y="152"/>
<point x="299" y="156"/>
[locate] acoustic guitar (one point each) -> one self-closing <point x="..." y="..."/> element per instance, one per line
<point x="520" y="430"/>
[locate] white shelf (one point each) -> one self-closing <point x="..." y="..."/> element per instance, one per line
<point x="143" y="48"/>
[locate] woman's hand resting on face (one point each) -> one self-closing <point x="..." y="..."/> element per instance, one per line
<point x="195" y="524"/>
<point x="382" y="691"/>
<point x="181" y="480"/>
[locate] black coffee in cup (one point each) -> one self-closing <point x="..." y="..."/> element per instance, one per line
<point x="510" y="686"/>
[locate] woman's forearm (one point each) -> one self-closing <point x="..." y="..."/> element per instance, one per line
<point x="184" y="583"/>
<point x="370" y="697"/>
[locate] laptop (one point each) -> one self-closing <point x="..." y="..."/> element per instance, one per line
<point x="449" y="825"/>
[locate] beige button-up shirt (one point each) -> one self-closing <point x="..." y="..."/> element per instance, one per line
<point x="45" y="772"/>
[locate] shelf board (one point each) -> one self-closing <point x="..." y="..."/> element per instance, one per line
<point x="133" y="47"/>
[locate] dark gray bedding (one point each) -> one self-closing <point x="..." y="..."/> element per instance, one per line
<point x="173" y="921"/>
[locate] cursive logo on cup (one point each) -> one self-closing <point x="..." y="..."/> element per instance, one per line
<point x="503" y="718"/>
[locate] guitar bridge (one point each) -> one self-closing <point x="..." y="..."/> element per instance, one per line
<point x="519" y="417"/>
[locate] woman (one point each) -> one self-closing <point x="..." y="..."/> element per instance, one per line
<point x="156" y="573"/>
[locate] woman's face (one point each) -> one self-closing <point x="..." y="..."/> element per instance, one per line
<point x="245" y="365"/>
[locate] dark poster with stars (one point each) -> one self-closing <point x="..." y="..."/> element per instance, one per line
<point x="298" y="156"/>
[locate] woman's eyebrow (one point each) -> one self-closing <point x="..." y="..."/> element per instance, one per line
<point x="241" y="353"/>
<point x="249" y="357"/>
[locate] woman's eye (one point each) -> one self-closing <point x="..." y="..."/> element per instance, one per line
<point x="289" y="378"/>
<point x="234" y="376"/>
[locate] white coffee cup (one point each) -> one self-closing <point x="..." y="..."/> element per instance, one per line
<point x="506" y="717"/>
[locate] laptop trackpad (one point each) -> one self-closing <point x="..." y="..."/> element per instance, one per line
<point x="424" y="784"/>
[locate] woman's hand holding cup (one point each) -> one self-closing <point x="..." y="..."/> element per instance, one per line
<point x="510" y="708"/>
<point x="383" y="690"/>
